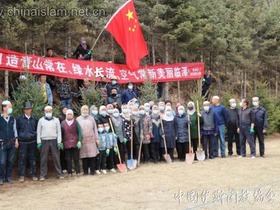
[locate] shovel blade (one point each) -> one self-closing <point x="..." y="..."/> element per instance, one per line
<point x="131" y="164"/>
<point x="200" y="155"/>
<point x="189" y="158"/>
<point x="167" y="158"/>
<point x="122" y="168"/>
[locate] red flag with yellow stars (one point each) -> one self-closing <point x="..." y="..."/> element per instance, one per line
<point x="125" y="27"/>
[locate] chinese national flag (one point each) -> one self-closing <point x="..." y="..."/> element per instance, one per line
<point x="125" y="27"/>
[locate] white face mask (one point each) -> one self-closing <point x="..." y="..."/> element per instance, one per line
<point x="233" y="105"/>
<point x="255" y="103"/>
<point x="155" y="111"/>
<point x="48" y="115"/>
<point x="130" y="87"/>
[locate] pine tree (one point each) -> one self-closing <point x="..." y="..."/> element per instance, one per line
<point x="27" y="91"/>
<point x="92" y="96"/>
<point x="148" y="91"/>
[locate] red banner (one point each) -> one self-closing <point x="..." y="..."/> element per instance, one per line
<point x="80" y="69"/>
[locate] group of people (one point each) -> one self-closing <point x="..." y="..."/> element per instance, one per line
<point x="100" y="133"/>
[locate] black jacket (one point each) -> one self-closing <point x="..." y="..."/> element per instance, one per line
<point x="27" y="128"/>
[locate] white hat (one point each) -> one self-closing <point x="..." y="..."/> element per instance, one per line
<point x="22" y="78"/>
<point x="6" y="102"/>
<point x="48" y="108"/>
<point x="69" y="111"/>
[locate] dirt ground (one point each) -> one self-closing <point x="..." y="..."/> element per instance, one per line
<point x="230" y="183"/>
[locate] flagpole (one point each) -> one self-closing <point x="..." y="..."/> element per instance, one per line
<point x="108" y="24"/>
<point x="97" y="38"/>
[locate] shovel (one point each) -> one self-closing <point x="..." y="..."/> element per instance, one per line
<point x="140" y="148"/>
<point x="122" y="167"/>
<point x="166" y="155"/>
<point x="200" y="154"/>
<point x="190" y="155"/>
<point x="131" y="163"/>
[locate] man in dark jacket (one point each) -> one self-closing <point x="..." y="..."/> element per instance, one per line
<point x="83" y="50"/>
<point x="232" y="124"/>
<point x="129" y="93"/>
<point x="246" y="128"/>
<point x="27" y="132"/>
<point x="8" y="142"/>
<point x="261" y="123"/>
<point x="115" y="99"/>
<point x="207" y="80"/>
<point x="113" y="84"/>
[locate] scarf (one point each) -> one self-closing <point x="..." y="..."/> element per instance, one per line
<point x="69" y="122"/>
<point x="117" y="121"/>
<point x="155" y="119"/>
<point x="191" y="112"/>
<point x="168" y="118"/>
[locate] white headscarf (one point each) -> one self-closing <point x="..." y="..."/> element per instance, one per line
<point x="69" y="122"/>
<point x="168" y="118"/>
<point x="191" y="112"/>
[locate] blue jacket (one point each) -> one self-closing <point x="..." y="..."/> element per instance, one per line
<point x="221" y="114"/>
<point x="102" y="141"/>
<point x="260" y="117"/>
<point x="27" y="128"/>
<point x="128" y="95"/>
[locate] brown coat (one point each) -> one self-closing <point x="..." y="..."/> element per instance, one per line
<point x="90" y="136"/>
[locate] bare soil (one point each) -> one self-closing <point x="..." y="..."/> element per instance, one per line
<point x="230" y="183"/>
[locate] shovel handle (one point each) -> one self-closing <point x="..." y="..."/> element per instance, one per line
<point x="189" y="133"/>
<point x="198" y="125"/>
<point x="164" y="141"/>
<point x="110" y="121"/>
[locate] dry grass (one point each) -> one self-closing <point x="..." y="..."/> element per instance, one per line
<point x="154" y="186"/>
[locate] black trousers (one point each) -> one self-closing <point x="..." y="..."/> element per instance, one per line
<point x="208" y="145"/>
<point x="89" y="163"/>
<point x="135" y="151"/>
<point x="102" y="160"/>
<point x="195" y="146"/>
<point x="233" y="135"/>
<point x="62" y="160"/>
<point x="146" y="152"/>
<point x="259" y="134"/>
<point x="128" y="149"/>
<point x="72" y="154"/>
<point x="110" y="159"/>
<point x="122" y="151"/>
<point x="182" y="149"/>
<point x="154" y="151"/>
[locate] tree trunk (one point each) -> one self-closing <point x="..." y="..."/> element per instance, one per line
<point x="153" y="51"/>
<point x="166" y="85"/>
<point x="112" y="50"/>
<point x="245" y="85"/>
<point x="6" y="81"/>
<point x="276" y="83"/>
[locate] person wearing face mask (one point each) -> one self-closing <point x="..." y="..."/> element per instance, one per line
<point x="127" y="129"/>
<point x="232" y="124"/>
<point x="103" y="115"/>
<point x="161" y="106"/>
<point x="129" y="93"/>
<point x="8" y="142"/>
<point x="83" y="50"/>
<point x="49" y="139"/>
<point x="110" y="110"/>
<point x="209" y="129"/>
<point x="182" y="143"/>
<point x="71" y="138"/>
<point x="119" y="131"/>
<point x="261" y="124"/>
<point x="170" y="131"/>
<point x="156" y="136"/>
<point x="146" y="133"/>
<point x="102" y="150"/>
<point x="114" y="98"/>
<point x="221" y="114"/>
<point x="137" y="128"/>
<point x="94" y="113"/>
<point x="246" y="129"/>
<point x="114" y="84"/>
<point x="147" y="108"/>
<point x="194" y="126"/>
<point x="88" y="151"/>
<point x="111" y="148"/>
